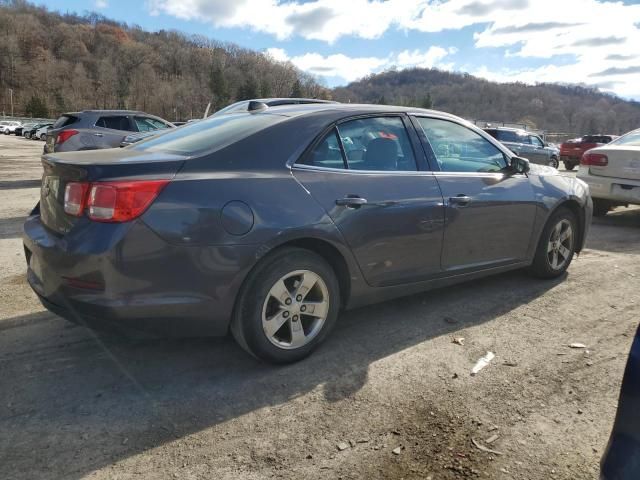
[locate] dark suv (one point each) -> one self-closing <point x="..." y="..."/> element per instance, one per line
<point x="95" y="129"/>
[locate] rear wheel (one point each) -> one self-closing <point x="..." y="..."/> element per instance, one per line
<point x="43" y="137"/>
<point x="569" y="165"/>
<point x="556" y="246"/>
<point x="287" y="306"/>
<point x="553" y="162"/>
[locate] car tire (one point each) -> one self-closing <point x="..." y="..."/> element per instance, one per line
<point x="600" y="207"/>
<point x="569" y="165"/>
<point x="43" y="136"/>
<point x="269" y="295"/>
<point x="553" y="162"/>
<point x="555" y="249"/>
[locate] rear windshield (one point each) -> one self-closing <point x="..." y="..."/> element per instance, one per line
<point x="214" y="133"/>
<point x="508" y="136"/>
<point x="596" y="139"/>
<point x="631" y="139"/>
<point x="65" y="120"/>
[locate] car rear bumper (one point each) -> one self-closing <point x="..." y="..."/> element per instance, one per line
<point x="123" y="277"/>
<point x="619" y="190"/>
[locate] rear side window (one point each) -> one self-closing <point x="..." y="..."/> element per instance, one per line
<point x="214" y="133"/>
<point x="64" y="121"/>
<point x="327" y="153"/>
<point x="631" y="139"/>
<point x="459" y="149"/>
<point x="377" y="143"/>
<point x="114" y="122"/>
<point x="147" y="124"/>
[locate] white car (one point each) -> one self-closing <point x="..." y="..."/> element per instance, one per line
<point x="613" y="173"/>
<point x="41" y="133"/>
<point x="9" y="126"/>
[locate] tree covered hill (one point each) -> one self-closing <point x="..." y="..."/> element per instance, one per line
<point x="56" y="62"/>
<point x="552" y="107"/>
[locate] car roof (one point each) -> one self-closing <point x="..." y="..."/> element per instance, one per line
<point x="349" y="108"/>
<point x="108" y="112"/>
<point x="510" y="129"/>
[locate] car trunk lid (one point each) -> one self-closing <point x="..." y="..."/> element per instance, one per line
<point x="623" y="162"/>
<point x="100" y="165"/>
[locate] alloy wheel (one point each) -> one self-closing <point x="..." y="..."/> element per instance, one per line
<point x="553" y="162"/>
<point x="560" y="245"/>
<point x="295" y="309"/>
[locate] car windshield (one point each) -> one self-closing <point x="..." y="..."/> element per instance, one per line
<point x="208" y="135"/>
<point x="631" y="139"/>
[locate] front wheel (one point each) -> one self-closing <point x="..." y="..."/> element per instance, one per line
<point x="600" y="207"/>
<point x="569" y="165"/>
<point x="553" y="162"/>
<point x="287" y="306"/>
<point x="43" y="137"/>
<point x="557" y="245"/>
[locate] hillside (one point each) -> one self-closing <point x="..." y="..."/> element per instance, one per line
<point x="556" y="108"/>
<point x="54" y="63"/>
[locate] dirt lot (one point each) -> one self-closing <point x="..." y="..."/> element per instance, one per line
<point x="75" y="405"/>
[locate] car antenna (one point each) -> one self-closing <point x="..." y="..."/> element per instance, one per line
<point x="255" y="106"/>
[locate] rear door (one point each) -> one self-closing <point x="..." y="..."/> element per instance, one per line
<point x="538" y="154"/>
<point x="489" y="211"/>
<point x="371" y="177"/>
<point x="110" y="130"/>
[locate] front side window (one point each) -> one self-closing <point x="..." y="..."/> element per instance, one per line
<point x="377" y="143"/>
<point x="147" y="124"/>
<point x="535" y="141"/>
<point x="459" y="149"/>
<point x="116" y="122"/>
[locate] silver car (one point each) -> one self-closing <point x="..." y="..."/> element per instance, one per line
<point x="97" y="129"/>
<point x="527" y="145"/>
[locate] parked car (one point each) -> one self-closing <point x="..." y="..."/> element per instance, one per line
<point x="527" y="145"/>
<point x="621" y="460"/>
<point x="234" y="223"/>
<point x="612" y="172"/>
<point x="18" y="130"/>
<point x="30" y="130"/>
<point x="96" y="129"/>
<point x="41" y="132"/>
<point x="571" y="151"/>
<point x="9" y="126"/>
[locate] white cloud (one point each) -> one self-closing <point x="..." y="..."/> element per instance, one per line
<point x="100" y="4"/>
<point x="353" y="68"/>
<point x="589" y="31"/>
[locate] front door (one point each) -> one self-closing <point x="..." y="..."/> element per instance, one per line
<point x="365" y="174"/>
<point x="490" y="211"/>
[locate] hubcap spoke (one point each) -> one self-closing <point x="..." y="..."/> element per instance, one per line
<point x="273" y="324"/>
<point x="556" y="231"/>
<point x="298" y="338"/>
<point x="554" y="259"/>
<point x="307" y="282"/>
<point x="564" y="251"/>
<point x="315" y="309"/>
<point x="550" y="247"/>
<point x="279" y="292"/>
<point x="565" y="235"/>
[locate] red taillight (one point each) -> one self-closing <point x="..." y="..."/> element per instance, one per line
<point x="65" y="135"/>
<point x="122" y="201"/>
<point x="594" y="160"/>
<point x="75" y="196"/>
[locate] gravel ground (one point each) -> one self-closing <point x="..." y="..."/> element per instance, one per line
<point x="389" y="385"/>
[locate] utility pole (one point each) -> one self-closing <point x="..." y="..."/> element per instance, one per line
<point x="11" y="97"/>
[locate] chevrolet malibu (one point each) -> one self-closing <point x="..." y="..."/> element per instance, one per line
<point x="268" y="223"/>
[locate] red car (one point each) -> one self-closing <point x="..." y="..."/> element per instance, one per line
<point x="571" y="151"/>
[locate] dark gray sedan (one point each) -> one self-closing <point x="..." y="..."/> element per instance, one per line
<point x="269" y="223"/>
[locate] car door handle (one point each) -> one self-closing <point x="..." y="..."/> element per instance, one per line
<point x="351" y="201"/>
<point x="461" y="200"/>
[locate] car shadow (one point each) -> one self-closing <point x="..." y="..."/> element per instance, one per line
<point x="11" y="227"/>
<point x="84" y="401"/>
<point x="605" y="231"/>
<point x="15" y="184"/>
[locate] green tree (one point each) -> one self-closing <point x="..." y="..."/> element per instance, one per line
<point x="382" y="100"/>
<point x="249" y="89"/>
<point x="36" y="107"/>
<point x="296" y="91"/>
<point x="427" y="102"/>
<point x="218" y="86"/>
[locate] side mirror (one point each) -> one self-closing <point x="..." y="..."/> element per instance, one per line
<point x="520" y="165"/>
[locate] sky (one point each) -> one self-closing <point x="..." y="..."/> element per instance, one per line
<point x="592" y="42"/>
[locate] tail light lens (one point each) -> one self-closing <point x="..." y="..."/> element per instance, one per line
<point x="65" y="135"/>
<point x="122" y="201"/>
<point x="594" y="160"/>
<point x="75" y="196"/>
